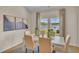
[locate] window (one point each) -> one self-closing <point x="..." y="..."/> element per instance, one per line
<point x="18" y="23"/>
<point x="53" y="24"/>
<point x="14" y="23"/>
<point x="44" y="25"/>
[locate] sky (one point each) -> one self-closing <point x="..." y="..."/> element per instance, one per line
<point x="52" y="20"/>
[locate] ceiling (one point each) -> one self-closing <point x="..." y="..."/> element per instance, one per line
<point x="41" y="8"/>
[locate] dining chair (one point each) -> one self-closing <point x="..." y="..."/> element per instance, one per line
<point x="45" y="45"/>
<point x="28" y="42"/>
<point x="63" y="47"/>
<point x="67" y="41"/>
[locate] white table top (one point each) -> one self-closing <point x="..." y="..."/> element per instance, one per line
<point x="55" y="40"/>
<point x="58" y="40"/>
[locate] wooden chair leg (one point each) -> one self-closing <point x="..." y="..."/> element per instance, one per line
<point x="53" y="51"/>
<point x="26" y="50"/>
<point x="38" y="49"/>
<point x="33" y="51"/>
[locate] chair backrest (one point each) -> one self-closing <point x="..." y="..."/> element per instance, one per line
<point x="44" y="45"/>
<point x="44" y="36"/>
<point x="67" y="41"/>
<point x="28" y="41"/>
<point x="27" y="32"/>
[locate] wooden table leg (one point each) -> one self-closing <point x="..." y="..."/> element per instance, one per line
<point x="53" y="49"/>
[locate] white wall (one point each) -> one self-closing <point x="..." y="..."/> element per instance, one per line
<point x="50" y="14"/>
<point x="11" y="38"/>
<point x="70" y="22"/>
<point x="78" y="26"/>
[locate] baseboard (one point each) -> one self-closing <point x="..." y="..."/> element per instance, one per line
<point x="69" y="45"/>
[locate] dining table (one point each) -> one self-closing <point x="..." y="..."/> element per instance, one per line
<point x="54" y="40"/>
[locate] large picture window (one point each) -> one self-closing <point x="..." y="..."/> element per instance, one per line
<point x="53" y="24"/>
